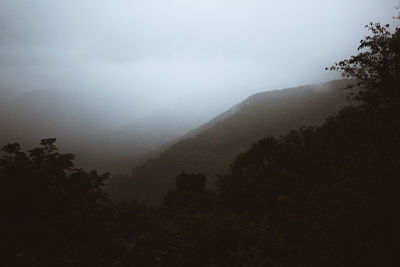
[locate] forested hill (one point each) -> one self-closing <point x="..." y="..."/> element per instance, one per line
<point x="211" y="148"/>
<point x="316" y="196"/>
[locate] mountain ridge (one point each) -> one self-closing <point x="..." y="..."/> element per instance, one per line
<point x="212" y="147"/>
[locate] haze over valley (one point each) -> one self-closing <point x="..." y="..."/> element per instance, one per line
<point x="116" y="83"/>
<point x="199" y="133"/>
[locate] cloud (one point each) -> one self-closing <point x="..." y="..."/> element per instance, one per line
<point x="158" y="50"/>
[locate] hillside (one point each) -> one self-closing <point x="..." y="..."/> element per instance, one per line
<point x="212" y="147"/>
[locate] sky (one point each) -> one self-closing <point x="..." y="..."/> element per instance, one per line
<point x="153" y="53"/>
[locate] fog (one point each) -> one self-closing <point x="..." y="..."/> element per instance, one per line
<point x="157" y="51"/>
<point x="132" y="61"/>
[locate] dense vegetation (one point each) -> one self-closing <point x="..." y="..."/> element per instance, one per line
<point x="211" y="148"/>
<point x="317" y="196"/>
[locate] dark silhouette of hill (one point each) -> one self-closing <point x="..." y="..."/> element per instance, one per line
<point x="316" y="196"/>
<point x="212" y="147"/>
<point x="170" y="122"/>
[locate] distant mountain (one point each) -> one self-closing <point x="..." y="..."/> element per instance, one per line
<point x="101" y="128"/>
<point x="171" y="121"/>
<point x="211" y="148"/>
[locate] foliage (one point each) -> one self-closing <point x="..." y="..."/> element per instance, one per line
<point x="316" y="196"/>
<point x="376" y="68"/>
<point x="330" y="192"/>
<point x="212" y="148"/>
<point x="53" y="214"/>
<point x="190" y="182"/>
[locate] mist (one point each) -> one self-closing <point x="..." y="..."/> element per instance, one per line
<point x="125" y="68"/>
<point x="154" y="52"/>
<point x="199" y="133"/>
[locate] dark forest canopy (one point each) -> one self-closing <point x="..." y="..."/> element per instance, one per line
<point x="317" y="196"/>
<point x="211" y="148"/>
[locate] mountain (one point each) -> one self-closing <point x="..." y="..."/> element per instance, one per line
<point x="107" y="131"/>
<point x="212" y="147"/>
<point x="171" y="121"/>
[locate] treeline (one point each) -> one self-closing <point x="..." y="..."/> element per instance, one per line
<point x="317" y="196"/>
<point x="211" y="148"/>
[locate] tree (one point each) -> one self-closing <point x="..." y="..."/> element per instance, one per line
<point x="330" y="194"/>
<point x="52" y="213"/>
<point x="376" y="68"/>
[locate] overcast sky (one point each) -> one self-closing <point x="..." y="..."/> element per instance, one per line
<point x="156" y="51"/>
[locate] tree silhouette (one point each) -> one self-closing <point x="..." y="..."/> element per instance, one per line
<point x="316" y="196"/>
<point x="376" y="68"/>
<point x="53" y="213"/>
